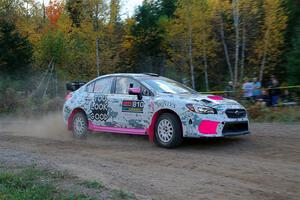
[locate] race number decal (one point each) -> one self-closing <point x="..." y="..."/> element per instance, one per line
<point x="133" y="106"/>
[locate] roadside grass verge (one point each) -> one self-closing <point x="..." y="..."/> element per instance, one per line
<point x="32" y="183"/>
<point x="274" y="114"/>
<point x="93" y="184"/>
<point x="121" y="194"/>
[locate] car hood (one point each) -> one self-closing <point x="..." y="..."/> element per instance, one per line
<point x="214" y="101"/>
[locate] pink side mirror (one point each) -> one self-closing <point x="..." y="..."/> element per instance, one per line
<point x="134" y="91"/>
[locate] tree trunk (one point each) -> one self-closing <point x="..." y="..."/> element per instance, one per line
<point x="262" y="66"/>
<point x="190" y="32"/>
<point x="264" y="57"/>
<point x="243" y="54"/>
<point x="226" y="49"/>
<point x="205" y="65"/>
<point x="96" y="28"/>
<point x="237" y="39"/>
<point x="97" y="56"/>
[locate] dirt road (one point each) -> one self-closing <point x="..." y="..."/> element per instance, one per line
<point x="264" y="165"/>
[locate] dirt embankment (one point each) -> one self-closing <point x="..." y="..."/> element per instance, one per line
<point x="264" y="165"/>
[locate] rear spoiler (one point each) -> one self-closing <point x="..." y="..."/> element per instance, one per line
<point x="75" y="85"/>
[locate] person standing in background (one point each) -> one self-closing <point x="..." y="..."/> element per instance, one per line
<point x="248" y="89"/>
<point x="256" y="89"/>
<point x="274" y="91"/>
<point x="229" y="90"/>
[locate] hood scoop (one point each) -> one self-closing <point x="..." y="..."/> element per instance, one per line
<point x="206" y="101"/>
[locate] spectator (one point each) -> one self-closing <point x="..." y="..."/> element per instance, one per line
<point x="264" y="98"/>
<point x="228" y="89"/>
<point x="248" y="89"/>
<point x="274" y="91"/>
<point x="286" y="97"/>
<point x="256" y="89"/>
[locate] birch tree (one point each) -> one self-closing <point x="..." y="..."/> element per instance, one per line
<point x="272" y="39"/>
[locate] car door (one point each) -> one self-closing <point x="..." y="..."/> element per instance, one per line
<point x="99" y="113"/>
<point x="130" y="112"/>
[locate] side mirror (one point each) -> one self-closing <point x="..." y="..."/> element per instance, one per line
<point x="136" y="91"/>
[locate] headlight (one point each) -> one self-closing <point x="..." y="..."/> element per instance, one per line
<point x="201" y="109"/>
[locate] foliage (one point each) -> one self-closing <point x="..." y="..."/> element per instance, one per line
<point x="189" y="40"/>
<point x="259" y="113"/>
<point x="293" y="42"/>
<point x="15" y="52"/>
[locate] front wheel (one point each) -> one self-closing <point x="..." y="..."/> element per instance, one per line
<point x="80" y="126"/>
<point x="168" y="131"/>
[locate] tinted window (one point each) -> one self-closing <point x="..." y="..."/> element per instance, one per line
<point x="103" y="85"/>
<point x="124" y="83"/>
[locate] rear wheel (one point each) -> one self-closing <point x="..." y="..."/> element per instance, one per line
<point x="80" y="125"/>
<point x="168" y="131"/>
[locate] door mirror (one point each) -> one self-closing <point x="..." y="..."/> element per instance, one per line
<point x="136" y="91"/>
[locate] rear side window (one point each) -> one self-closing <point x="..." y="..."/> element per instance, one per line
<point x="90" y="87"/>
<point x="103" y="85"/>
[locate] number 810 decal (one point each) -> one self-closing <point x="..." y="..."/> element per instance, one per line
<point x="134" y="106"/>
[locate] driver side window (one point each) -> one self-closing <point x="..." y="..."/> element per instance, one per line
<point x="124" y="83"/>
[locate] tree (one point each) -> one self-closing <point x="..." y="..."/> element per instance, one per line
<point x="15" y="51"/>
<point x="268" y="47"/>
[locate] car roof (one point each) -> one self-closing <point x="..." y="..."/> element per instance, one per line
<point x="134" y="75"/>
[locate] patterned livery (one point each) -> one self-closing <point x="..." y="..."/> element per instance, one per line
<point x="148" y="104"/>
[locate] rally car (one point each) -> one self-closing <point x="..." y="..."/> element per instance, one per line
<point x="147" y="104"/>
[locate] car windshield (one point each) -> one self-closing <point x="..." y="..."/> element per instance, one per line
<point x="164" y="85"/>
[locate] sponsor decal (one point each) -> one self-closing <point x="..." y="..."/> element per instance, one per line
<point x="99" y="109"/>
<point x="134" y="106"/>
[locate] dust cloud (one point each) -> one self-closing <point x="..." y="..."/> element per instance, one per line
<point x="46" y="126"/>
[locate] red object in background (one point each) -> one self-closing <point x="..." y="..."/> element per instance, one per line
<point x="208" y="127"/>
<point x="53" y="11"/>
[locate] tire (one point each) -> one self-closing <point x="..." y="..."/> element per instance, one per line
<point x="168" y="131"/>
<point x="80" y="126"/>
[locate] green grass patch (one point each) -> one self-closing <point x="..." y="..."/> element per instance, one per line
<point x="121" y="194"/>
<point x="274" y="114"/>
<point x="32" y="184"/>
<point x="92" y="184"/>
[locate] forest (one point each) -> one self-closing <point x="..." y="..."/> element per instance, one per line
<point x="202" y="43"/>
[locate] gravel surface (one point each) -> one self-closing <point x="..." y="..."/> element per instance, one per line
<point x="263" y="165"/>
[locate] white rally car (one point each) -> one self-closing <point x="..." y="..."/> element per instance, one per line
<point x="148" y="104"/>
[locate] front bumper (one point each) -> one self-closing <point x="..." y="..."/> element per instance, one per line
<point x="197" y="126"/>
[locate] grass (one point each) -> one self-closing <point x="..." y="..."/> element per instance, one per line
<point x="33" y="184"/>
<point x="93" y="184"/>
<point x="274" y="114"/>
<point x="121" y="194"/>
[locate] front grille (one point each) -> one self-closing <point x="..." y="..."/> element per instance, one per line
<point x="235" y="113"/>
<point x="233" y="127"/>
